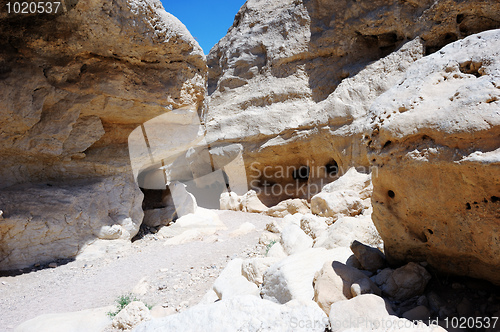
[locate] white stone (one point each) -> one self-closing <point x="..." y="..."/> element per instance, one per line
<point x="230" y="201"/>
<point x="276" y="251"/>
<point x="294" y="240"/>
<point x="254" y="268"/>
<point x="185" y="202"/>
<point x="347" y="229"/>
<point x="243" y="229"/>
<point x="192" y="227"/>
<point x="292" y="277"/>
<point x="232" y="283"/>
<point x="91" y="320"/>
<point x="313" y="225"/>
<point x="337" y="204"/>
<point x="251" y="203"/>
<point x="133" y="314"/>
<point x="246" y="313"/>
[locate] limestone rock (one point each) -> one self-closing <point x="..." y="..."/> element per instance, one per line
<point x="132" y="315"/>
<point x="313" y="225"/>
<point x="369" y="312"/>
<point x="230" y="201"/>
<point x="289" y="206"/>
<point x="251" y="203"/>
<point x="404" y="282"/>
<point x="351" y="180"/>
<point x="80" y="212"/>
<point x="254" y="268"/>
<point x="334" y="281"/>
<point x="192" y="227"/>
<point x="277" y="225"/>
<point x="294" y="240"/>
<point x="337" y="204"/>
<point x="343" y="197"/>
<point x="276" y="251"/>
<point x="348" y="229"/>
<point x="371" y="259"/>
<point x="291" y="79"/>
<point x="292" y="277"/>
<point x="436" y="148"/>
<point x="90" y="320"/>
<point x="70" y="98"/>
<point x="246" y="313"/>
<point x="231" y="282"/>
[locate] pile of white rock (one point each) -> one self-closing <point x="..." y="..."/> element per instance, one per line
<point x="323" y="268"/>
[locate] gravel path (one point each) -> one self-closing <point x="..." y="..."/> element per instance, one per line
<point x="177" y="276"/>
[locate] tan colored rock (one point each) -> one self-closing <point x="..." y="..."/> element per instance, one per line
<point x="334" y="282"/>
<point x="68" y="106"/>
<point x="289" y="206"/>
<point x="435" y="145"/>
<point x="404" y="282"/>
<point x="132" y="315"/>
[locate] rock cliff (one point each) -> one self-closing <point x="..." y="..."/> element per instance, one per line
<point x="74" y="84"/>
<point x="290" y="79"/>
<point x="436" y="145"/>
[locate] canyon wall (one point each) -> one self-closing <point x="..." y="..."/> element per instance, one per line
<point x="436" y="144"/>
<point x="74" y="84"/>
<point x="291" y="79"/>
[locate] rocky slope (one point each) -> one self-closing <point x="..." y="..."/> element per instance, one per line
<point x="436" y="144"/>
<point x="277" y="80"/>
<point x="73" y="85"/>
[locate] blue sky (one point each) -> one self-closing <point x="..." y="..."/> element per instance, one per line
<point x="207" y="20"/>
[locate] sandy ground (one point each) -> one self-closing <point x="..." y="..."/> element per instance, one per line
<point x="174" y="276"/>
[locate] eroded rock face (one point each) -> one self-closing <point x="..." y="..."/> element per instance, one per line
<point x="73" y="85"/>
<point x="437" y="149"/>
<point x="292" y="80"/>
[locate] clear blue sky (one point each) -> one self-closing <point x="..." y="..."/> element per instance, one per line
<point x="207" y="20"/>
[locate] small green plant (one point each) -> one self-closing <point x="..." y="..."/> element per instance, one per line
<point x="122" y="302"/>
<point x="268" y="247"/>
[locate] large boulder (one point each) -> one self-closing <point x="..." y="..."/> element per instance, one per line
<point x="292" y="277"/>
<point x="436" y="147"/>
<point x="74" y="84"/>
<point x="291" y="79"/>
